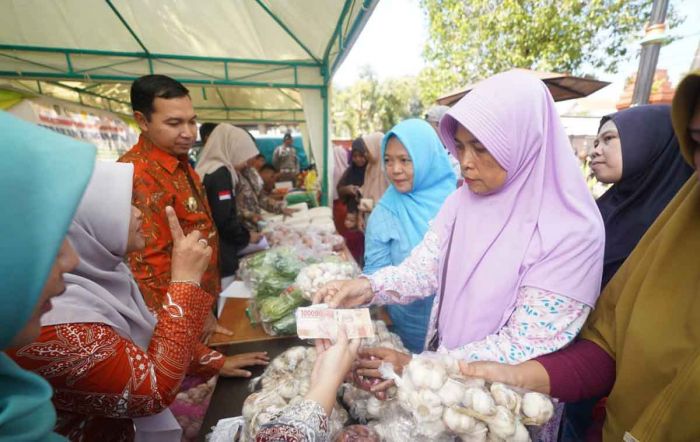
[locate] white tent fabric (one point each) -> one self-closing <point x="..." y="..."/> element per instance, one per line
<point x="244" y="61"/>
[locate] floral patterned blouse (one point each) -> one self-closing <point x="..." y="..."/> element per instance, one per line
<point x="102" y="380"/>
<point x="305" y="421"/>
<point x="541" y="323"/>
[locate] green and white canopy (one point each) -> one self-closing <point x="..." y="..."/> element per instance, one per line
<point x="244" y="61"/>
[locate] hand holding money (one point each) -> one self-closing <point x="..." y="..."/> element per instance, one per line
<point x="321" y="322"/>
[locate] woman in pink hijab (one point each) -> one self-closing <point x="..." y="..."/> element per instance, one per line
<point x="515" y="256"/>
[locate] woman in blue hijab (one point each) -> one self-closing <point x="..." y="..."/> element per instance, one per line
<point x="42" y="179"/>
<point x="420" y="176"/>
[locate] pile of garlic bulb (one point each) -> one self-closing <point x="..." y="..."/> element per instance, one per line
<point x="315" y="276"/>
<point x="442" y="401"/>
<point x="284" y="382"/>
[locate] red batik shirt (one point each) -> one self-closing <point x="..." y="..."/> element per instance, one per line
<point x="161" y="180"/>
<point x="102" y="380"/>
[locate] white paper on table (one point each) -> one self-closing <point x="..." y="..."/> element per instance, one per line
<point x="237" y="289"/>
<point x="250" y="248"/>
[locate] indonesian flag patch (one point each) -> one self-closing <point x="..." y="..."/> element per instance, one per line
<point x="224" y="195"/>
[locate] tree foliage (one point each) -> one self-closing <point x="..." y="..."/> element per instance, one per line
<point x="470" y="40"/>
<point x="371" y="105"/>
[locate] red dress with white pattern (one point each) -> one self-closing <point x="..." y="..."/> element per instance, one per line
<point x="102" y="380"/>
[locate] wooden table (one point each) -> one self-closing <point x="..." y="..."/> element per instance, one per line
<point x="230" y="393"/>
<point x="234" y="318"/>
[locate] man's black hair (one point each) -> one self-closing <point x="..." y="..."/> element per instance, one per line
<point x="287" y="136"/>
<point x="259" y="156"/>
<point x="146" y="89"/>
<point x="206" y="129"/>
<point x="268" y="167"/>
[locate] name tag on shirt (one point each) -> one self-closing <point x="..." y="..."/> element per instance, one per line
<point x="224" y="195"/>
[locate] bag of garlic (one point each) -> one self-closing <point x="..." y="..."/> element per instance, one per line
<point x="315" y="276"/>
<point x="285" y="381"/>
<point x="434" y="392"/>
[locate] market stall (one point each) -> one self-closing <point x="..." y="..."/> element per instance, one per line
<point x="248" y="62"/>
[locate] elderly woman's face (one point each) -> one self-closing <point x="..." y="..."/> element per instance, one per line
<point x="606" y="158"/>
<point x="66" y="260"/>
<point x="481" y="172"/>
<point x="398" y="165"/>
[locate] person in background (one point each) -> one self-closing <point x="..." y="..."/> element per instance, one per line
<point x="640" y="345"/>
<point x="163" y="177"/>
<point x="348" y="187"/>
<point x="433" y="117"/>
<point x="637" y="152"/>
<point x="230" y="155"/>
<point x="375" y="182"/>
<point x="269" y="175"/>
<point x="259" y="162"/>
<point x="124" y="393"/>
<point x="285" y="159"/>
<point x="354" y="233"/>
<point x="205" y="130"/>
<point x="227" y="149"/>
<point x="421" y="179"/>
<point x="35" y="255"/>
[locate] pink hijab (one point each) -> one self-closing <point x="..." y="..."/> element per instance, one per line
<point x="542" y="229"/>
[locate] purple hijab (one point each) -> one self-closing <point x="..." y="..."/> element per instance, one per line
<point x="542" y="229"/>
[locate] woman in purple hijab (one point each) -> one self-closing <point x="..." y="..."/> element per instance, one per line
<point x="515" y="256"/>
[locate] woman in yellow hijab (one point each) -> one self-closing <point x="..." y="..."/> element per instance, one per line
<point x="641" y="345"/>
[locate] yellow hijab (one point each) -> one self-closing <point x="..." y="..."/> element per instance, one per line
<point x="648" y="316"/>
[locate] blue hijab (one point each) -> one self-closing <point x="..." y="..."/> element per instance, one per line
<point x="433" y="178"/>
<point x="42" y="179"/>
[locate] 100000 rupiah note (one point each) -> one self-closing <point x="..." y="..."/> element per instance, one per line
<point x="321" y="322"/>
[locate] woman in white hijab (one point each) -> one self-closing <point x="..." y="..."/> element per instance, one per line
<point x="226" y="154"/>
<point x="114" y="367"/>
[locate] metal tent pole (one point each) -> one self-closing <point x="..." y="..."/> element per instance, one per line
<point x="651" y="45"/>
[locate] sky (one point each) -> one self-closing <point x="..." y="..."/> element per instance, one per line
<point x="393" y="39"/>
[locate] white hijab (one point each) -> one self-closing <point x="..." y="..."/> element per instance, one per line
<point x="227" y="146"/>
<point x="102" y="289"/>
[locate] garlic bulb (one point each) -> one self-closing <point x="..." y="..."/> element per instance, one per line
<point x="451" y="393"/>
<point x="374" y="407"/>
<point x="503" y="395"/>
<point x="431" y="429"/>
<point x="502" y="423"/>
<point x="426" y="373"/>
<point x="520" y="435"/>
<point x="288" y="389"/>
<point x="537" y="408"/>
<point x="480" y="433"/>
<point x="451" y="364"/>
<point x="427" y="406"/>
<point x="293" y="356"/>
<point x="458" y="422"/>
<point x="480" y="401"/>
<point x="303" y="386"/>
